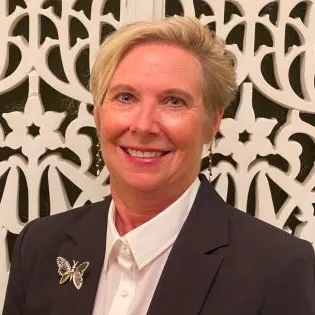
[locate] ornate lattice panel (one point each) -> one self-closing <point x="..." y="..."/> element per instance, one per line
<point x="264" y="153"/>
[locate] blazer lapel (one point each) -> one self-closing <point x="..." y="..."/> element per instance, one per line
<point x="193" y="262"/>
<point x="85" y="242"/>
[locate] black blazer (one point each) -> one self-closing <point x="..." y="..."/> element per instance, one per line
<point x="224" y="262"/>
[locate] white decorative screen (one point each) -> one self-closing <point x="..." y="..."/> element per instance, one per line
<point x="264" y="154"/>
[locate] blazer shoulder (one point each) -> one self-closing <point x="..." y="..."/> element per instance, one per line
<point x="259" y="234"/>
<point x="47" y="230"/>
<point x="246" y="233"/>
<point x="65" y="218"/>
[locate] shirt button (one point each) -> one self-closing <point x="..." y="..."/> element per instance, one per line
<point x="126" y="250"/>
<point x="124" y="293"/>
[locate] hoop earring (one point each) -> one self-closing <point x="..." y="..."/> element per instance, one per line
<point x="210" y="161"/>
<point x="99" y="161"/>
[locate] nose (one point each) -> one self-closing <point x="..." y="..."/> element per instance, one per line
<point x="146" y="119"/>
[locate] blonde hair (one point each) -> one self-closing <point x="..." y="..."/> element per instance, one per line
<point x="219" y="83"/>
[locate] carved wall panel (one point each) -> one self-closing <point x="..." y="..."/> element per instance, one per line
<point x="264" y="154"/>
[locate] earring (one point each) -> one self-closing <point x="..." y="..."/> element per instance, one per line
<point x="210" y="161"/>
<point x="99" y="161"/>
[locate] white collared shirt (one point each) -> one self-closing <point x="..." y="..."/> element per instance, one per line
<point x="134" y="262"/>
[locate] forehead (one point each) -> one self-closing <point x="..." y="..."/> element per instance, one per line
<point x="160" y="63"/>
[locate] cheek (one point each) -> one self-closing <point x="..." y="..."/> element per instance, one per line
<point x="108" y="123"/>
<point x="112" y="130"/>
<point x="106" y="133"/>
<point x="190" y="131"/>
<point x="189" y="143"/>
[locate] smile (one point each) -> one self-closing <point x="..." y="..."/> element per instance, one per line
<point x="144" y="154"/>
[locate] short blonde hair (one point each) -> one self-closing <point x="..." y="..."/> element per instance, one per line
<point x="219" y="78"/>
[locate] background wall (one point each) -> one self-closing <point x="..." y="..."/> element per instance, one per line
<point x="264" y="153"/>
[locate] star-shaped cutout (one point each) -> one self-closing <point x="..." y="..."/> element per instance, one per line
<point x="244" y="136"/>
<point x="33" y="130"/>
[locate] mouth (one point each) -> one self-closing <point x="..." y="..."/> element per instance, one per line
<point x="144" y="154"/>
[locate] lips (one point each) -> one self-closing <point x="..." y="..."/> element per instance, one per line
<point x="146" y="154"/>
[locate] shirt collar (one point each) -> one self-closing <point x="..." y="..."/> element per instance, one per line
<point x="150" y="239"/>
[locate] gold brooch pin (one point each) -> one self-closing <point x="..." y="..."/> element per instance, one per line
<point x="74" y="273"/>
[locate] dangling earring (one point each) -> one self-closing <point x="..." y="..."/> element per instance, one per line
<point x="210" y="161"/>
<point x="99" y="161"/>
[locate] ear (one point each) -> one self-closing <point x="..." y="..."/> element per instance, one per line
<point x="214" y="122"/>
<point x="96" y="114"/>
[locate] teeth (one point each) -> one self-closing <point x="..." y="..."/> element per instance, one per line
<point x="143" y="154"/>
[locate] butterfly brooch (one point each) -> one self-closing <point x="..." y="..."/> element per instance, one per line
<point x="74" y="273"/>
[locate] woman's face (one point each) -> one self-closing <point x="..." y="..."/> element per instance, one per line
<point x="152" y="123"/>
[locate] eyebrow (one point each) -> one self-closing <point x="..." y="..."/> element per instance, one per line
<point x="179" y="92"/>
<point x="118" y="87"/>
<point x="128" y="87"/>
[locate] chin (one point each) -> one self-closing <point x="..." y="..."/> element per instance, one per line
<point x="144" y="182"/>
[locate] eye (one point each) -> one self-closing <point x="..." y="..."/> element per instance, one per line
<point x="175" y="101"/>
<point x="124" y="97"/>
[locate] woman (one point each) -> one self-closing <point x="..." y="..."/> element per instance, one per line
<point x="165" y="242"/>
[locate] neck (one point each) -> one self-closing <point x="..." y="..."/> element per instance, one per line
<point x="134" y="207"/>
